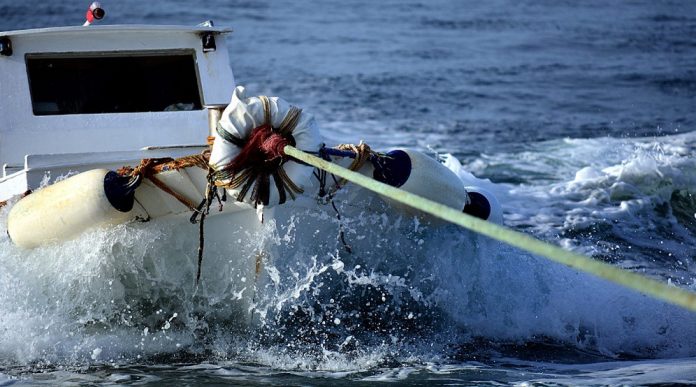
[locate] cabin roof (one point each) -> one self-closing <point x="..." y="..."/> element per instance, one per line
<point x="111" y="29"/>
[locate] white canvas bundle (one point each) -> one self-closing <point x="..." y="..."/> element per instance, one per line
<point x="244" y="114"/>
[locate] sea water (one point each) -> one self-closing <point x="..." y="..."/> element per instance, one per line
<point x="579" y="116"/>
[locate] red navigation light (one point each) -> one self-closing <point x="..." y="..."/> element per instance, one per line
<point x="95" y="12"/>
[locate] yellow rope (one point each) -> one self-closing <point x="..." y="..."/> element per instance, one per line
<point x="576" y="261"/>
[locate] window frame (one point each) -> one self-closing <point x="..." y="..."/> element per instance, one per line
<point x="192" y="53"/>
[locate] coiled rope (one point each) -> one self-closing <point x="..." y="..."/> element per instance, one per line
<point x="362" y="154"/>
<point x="645" y="285"/>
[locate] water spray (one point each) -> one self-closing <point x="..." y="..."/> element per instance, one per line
<point x="631" y="280"/>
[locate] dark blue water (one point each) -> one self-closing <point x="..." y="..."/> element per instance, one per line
<point x="582" y="115"/>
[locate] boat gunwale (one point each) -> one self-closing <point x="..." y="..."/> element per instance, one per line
<point x="114" y="28"/>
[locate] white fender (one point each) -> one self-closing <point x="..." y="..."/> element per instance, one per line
<point x="67" y="208"/>
<point x="422" y="175"/>
<point x="484" y="204"/>
<point x="244" y="114"/>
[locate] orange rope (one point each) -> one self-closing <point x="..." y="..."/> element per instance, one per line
<point x="148" y="168"/>
<point x="362" y="154"/>
<point x="25" y="194"/>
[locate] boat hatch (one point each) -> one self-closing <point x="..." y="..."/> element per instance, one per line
<point x="123" y="82"/>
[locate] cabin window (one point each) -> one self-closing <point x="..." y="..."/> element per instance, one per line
<point x="105" y="83"/>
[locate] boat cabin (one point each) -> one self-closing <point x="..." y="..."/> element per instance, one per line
<point x="77" y="98"/>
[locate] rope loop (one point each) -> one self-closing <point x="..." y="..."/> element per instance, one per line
<point x="149" y="168"/>
<point x="360" y="154"/>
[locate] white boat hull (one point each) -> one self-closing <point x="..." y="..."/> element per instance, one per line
<point x="235" y="242"/>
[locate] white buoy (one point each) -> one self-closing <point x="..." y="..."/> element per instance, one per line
<point x="65" y="209"/>
<point x="483" y="204"/>
<point x="422" y="175"/>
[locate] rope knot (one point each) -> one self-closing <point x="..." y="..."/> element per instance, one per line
<point x="274" y="146"/>
<point x="263" y="148"/>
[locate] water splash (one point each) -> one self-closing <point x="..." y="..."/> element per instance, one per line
<point x="412" y="291"/>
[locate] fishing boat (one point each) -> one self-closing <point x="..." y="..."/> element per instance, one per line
<point x="104" y="125"/>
